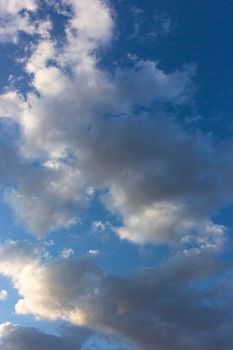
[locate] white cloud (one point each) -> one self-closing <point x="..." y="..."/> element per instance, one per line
<point x="50" y="81"/>
<point x="84" y="133"/>
<point x="67" y="253"/>
<point x="53" y="128"/>
<point x="93" y="252"/>
<point x="85" y="19"/>
<point x="13" y="21"/>
<point x="98" y="226"/>
<point x="80" y="134"/>
<point x="33" y="281"/>
<point x="15" y="6"/>
<point x="11" y="105"/>
<point x="3" y="295"/>
<point x="47" y="205"/>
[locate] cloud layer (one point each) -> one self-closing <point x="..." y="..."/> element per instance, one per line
<point x="184" y="303"/>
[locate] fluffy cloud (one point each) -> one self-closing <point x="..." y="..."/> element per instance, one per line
<point x="46" y="204"/>
<point x="15" y="6"/>
<point x="82" y="131"/>
<point x="90" y="130"/>
<point x="15" y="18"/>
<point x="34" y="281"/>
<point x="84" y="20"/>
<point x="162" y="180"/>
<point x="184" y="303"/>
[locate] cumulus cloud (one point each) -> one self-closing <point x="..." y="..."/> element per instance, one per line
<point x="90" y="130"/>
<point x="162" y="181"/>
<point x="184" y="303"/>
<point x="82" y="131"/>
<point x="26" y="266"/>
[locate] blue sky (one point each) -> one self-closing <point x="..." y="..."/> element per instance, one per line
<point x="116" y="175"/>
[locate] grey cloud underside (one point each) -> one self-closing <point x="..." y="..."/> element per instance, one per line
<point x="186" y="302"/>
<point x="25" y="339"/>
<point x="14" y="337"/>
<point x="146" y="163"/>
